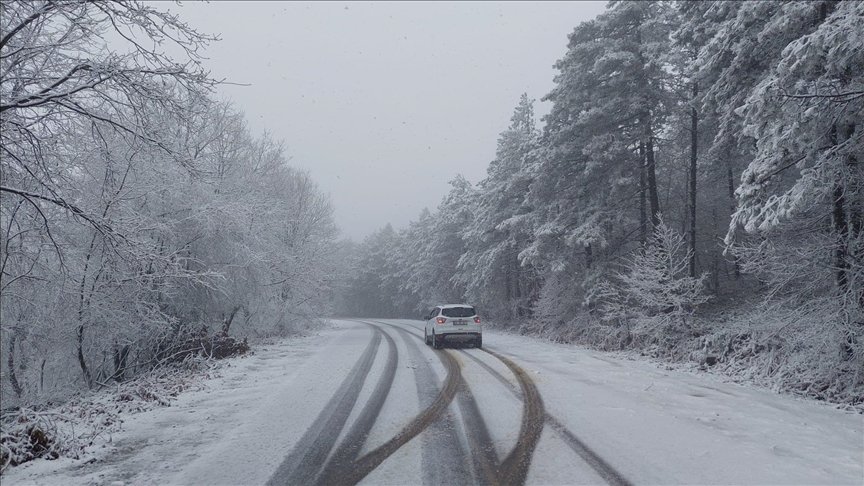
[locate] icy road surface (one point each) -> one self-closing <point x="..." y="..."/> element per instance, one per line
<point x="366" y="401"/>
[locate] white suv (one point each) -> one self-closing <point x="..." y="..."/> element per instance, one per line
<point x="452" y="322"/>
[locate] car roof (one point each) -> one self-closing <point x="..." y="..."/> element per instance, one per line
<point x="450" y="306"/>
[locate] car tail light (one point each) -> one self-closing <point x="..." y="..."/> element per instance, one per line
<point x="477" y="319"/>
<point x="441" y="320"/>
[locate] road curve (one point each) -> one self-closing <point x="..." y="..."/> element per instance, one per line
<point x="470" y="454"/>
<point x="514" y="468"/>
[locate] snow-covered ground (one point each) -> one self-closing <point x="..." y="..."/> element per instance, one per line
<point x="644" y="423"/>
<point x="660" y="426"/>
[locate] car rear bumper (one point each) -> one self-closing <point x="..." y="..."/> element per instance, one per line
<point x="459" y="333"/>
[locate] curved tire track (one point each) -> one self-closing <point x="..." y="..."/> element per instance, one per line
<point x="485" y="459"/>
<point x="512" y="470"/>
<point x="303" y="463"/>
<point x="483" y="455"/>
<point x="440" y="442"/>
<point x="514" y="467"/>
<point x="600" y="466"/>
<point x="488" y="469"/>
<point x="351" y="445"/>
<point x="367" y="463"/>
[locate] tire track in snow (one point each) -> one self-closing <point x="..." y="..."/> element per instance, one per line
<point x="486" y="463"/>
<point x="440" y="442"/>
<point x="514" y="467"/>
<point x="305" y="460"/>
<point x="597" y="463"/>
<point x="367" y="463"/>
<point x="353" y="442"/>
<point x="487" y="467"/>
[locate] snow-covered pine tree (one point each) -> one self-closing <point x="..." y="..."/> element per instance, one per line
<point x="489" y="268"/>
<point x="594" y="194"/>
<point x="801" y="120"/>
<point x="654" y="296"/>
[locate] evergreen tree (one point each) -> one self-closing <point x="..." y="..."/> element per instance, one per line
<point x="490" y="268"/>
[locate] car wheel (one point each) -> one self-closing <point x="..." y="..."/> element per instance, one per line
<point x="425" y="337"/>
<point x="478" y="343"/>
<point x="435" y="342"/>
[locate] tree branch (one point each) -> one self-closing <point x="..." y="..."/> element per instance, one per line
<point x="35" y="15"/>
<point x="102" y="228"/>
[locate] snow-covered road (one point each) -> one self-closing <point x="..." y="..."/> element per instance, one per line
<point x="367" y="401"/>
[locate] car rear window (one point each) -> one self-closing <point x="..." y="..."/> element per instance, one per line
<point x="458" y="312"/>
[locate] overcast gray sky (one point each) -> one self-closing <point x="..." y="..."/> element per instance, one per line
<point x="384" y="103"/>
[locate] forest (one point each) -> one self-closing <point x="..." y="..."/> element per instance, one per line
<point x="694" y="195"/>
<point x="142" y="221"/>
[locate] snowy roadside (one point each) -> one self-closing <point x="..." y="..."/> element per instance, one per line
<point x="661" y="425"/>
<point x="719" y="372"/>
<point x="89" y="420"/>
<point x="121" y="428"/>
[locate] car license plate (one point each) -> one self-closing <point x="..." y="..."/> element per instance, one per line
<point x="460" y="322"/>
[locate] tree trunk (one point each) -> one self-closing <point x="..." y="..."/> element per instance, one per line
<point x="81" y="361"/>
<point x="643" y="216"/>
<point x="715" y="260"/>
<point x="121" y="355"/>
<point x="730" y="179"/>
<point x="507" y="289"/>
<point x="83" y="302"/>
<point x="42" y="375"/>
<point x="517" y="283"/>
<point x="694" y="138"/>
<point x="226" y="325"/>
<point x="841" y="230"/>
<point x="840" y="225"/>
<point x="650" y="171"/>
<point x="13" y="378"/>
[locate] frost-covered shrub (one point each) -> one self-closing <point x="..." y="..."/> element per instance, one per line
<point x="560" y="299"/>
<point x="26" y="437"/>
<point x="786" y="344"/>
<point x="68" y="430"/>
<point x="200" y="343"/>
<point x="806" y="334"/>
<point x="654" y="296"/>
